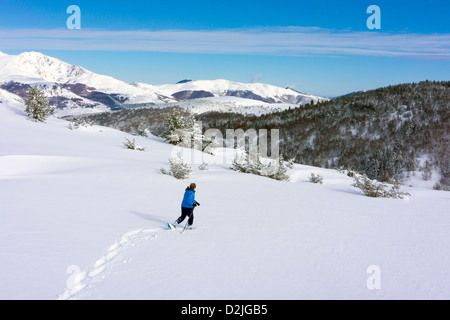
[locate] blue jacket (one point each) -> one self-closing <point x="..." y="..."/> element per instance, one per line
<point x="189" y="198"/>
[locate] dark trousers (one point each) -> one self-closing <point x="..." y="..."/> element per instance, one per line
<point x="186" y="212"/>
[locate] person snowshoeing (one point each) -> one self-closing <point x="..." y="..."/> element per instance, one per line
<point x="187" y="206"/>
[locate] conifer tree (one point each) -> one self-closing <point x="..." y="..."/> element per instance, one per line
<point x="37" y="105"/>
<point x="178" y="129"/>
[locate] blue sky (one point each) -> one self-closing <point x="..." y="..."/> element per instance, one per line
<point x="320" y="47"/>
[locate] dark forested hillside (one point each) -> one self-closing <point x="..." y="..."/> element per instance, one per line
<point x="382" y="132"/>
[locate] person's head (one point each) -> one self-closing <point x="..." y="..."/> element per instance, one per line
<point x="193" y="186"/>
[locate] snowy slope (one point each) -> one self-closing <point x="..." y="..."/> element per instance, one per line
<point x="10" y="100"/>
<point x="83" y="218"/>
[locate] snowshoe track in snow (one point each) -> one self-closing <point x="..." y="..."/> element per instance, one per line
<point x="81" y="279"/>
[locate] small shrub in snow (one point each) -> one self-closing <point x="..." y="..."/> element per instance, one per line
<point x="80" y="122"/>
<point x="290" y="163"/>
<point x="316" y="179"/>
<point x="132" y="145"/>
<point x="440" y="186"/>
<point x="142" y="130"/>
<point x="203" y="166"/>
<point x="271" y="169"/>
<point x="348" y="173"/>
<point x="373" y="188"/>
<point x="178" y="168"/>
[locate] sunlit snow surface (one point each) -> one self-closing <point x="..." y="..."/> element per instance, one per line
<point x="83" y="218"/>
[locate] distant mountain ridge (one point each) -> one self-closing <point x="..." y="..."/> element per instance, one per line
<point x="73" y="89"/>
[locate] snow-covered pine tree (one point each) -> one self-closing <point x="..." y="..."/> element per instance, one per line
<point x="241" y="162"/>
<point x="37" y="108"/>
<point x="316" y="179"/>
<point x="277" y="169"/>
<point x="178" y="129"/>
<point x="196" y="134"/>
<point x="186" y="132"/>
<point x="209" y="144"/>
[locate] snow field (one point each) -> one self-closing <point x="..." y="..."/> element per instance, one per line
<point x="84" y="218"/>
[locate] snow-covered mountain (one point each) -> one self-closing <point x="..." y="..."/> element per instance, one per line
<point x="217" y="88"/>
<point x="70" y="86"/>
<point x="73" y="89"/>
